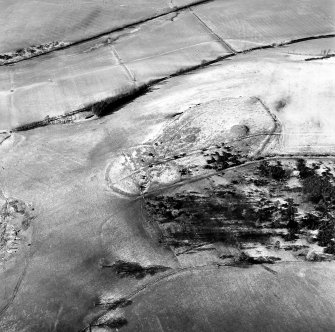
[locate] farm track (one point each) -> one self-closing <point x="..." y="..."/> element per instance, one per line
<point x="16" y="288"/>
<point x="138" y="91"/>
<point x="201" y="177"/>
<point x="174" y="9"/>
<point x="217" y="37"/>
<point x="164" y="276"/>
<point x="166" y="160"/>
<point x="274" y="132"/>
<point x="99" y="108"/>
<point x="251" y="162"/>
<point x="28" y="258"/>
<point x="210" y="266"/>
<point x="177" y="271"/>
<point x="277" y="128"/>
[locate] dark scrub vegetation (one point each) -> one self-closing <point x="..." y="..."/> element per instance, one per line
<point x="230" y="215"/>
<point x="132" y="269"/>
<point x="276" y="172"/>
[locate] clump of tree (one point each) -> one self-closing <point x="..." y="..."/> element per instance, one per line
<point x="260" y="182"/>
<point x="310" y="221"/>
<point x="133" y="269"/>
<point x="288" y="214"/>
<point x="223" y="159"/>
<point x="304" y="171"/>
<point x="326" y="233"/>
<point x="319" y="189"/>
<point x="276" y="172"/>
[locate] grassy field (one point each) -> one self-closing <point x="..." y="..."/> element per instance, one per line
<point x="117" y="64"/>
<point x="234" y="299"/>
